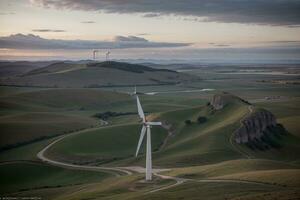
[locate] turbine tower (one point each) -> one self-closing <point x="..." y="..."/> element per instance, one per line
<point x="107" y="55"/>
<point x="146" y="128"/>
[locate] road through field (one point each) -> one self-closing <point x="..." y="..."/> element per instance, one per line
<point x="113" y="170"/>
<point x="129" y="170"/>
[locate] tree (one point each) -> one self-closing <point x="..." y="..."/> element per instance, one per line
<point x="188" y="122"/>
<point x="201" y="119"/>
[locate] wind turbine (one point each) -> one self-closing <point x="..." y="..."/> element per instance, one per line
<point x="146" y="128"/>
<point x="95" y="54"/>
<point x="107" y="55"/>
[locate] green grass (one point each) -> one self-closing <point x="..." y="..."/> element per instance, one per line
<point x="64" y="99"/>
<point x="26" y="152"/>
<point x="291" y="124"/>
<point x="201" y="143"/>
<point x="282" y="109"/>
<point x="125" y="189"/>
<point x="78" y="76"/>
<point x="104" y="144"/>
<point x="28" y="175"/>
<point x="18" y="129"/>
<point x="284" y="177"/>
<point x="230" y="167"/>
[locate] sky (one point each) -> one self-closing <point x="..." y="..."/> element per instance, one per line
<point x="192" y="30"/>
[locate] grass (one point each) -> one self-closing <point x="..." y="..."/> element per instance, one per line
<point x="291" y="124"/>
<point x="22" y="176"/>
<point x="20" y="129"/>
<point x="201" y="143"/>
<point x="124" y="189"/>
<point x="230" y="168"/>
<point x="197" y="150"/>
<point x="104" y="144"/>
<point x="26" y="152"/>
<point x="66" y="99"/>
<point x="110" y="74"/>
<point x="283" y="177"/>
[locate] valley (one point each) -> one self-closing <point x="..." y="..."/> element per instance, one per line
<point x="52" y="129"/>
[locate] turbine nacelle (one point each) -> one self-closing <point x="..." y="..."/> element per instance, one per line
<point x="152" y="123"/>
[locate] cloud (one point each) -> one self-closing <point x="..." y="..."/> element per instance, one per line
<point x="30" y="41"/>
<point x="143" y="34"/>
<point x="48" y="30"/>
<point x="219" y="45"/>
<point x="265" y="12"/>
<point x="88" y="22"/>
<point x="129" y="39"/>
<point x="150" y="15"/>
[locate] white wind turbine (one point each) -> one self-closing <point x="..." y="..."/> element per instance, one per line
<point x="146" y="128"/>
<point x="107" y="55"/>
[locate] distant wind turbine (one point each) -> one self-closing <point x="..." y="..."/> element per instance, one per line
<point x="107" y="55"/>
<point x="146" y="128"/>
<point x="95" y="54"/>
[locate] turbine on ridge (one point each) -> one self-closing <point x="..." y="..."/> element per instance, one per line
<point x="95" y="54"/>
<point x="146" y="128"/>
<point x="107" y="55"/>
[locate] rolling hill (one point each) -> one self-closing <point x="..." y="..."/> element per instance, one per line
<point x="93" y="75"/>
<point x="195" y="143"/>
<point x="21" y="129"/>
<point x="63" y="99"/>
<point x="26" y="176"/>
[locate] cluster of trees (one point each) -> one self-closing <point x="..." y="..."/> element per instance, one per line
<point x="108" y="114"/>
<point x="200" y="120"/>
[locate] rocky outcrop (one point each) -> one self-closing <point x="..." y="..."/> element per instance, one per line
<point x="255" y="126"/>
<point x="258" y="130"/>
<point x="219" y="101"/>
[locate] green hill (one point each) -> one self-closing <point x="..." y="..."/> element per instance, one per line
<point x="103" y="145"/>
<point x="66" y="99"/>
<point x="190" y="143"/>
<point x="26" y="176"/>
<point x="21" y="129"/>
<point x="93" y="75"/>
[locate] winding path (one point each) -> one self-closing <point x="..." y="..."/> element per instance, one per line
<point x="113" y="170"/>
<point x="129" y="170"/>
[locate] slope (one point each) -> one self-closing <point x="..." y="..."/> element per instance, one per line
<point x="93" y="75"/>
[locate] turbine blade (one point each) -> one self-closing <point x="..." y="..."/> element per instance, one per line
<point x="140" y="109"/>
<point x="143" y="131"/>
<point x="154" y="123"/>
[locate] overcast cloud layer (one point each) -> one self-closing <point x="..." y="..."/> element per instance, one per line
<point x="20" y="41"/>
<point x="267" y="12"/>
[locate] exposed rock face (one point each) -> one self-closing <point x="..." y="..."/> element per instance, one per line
<point x="255" y="126"/>
<point x="219" y="101"/>
<point x="258" y="130"/>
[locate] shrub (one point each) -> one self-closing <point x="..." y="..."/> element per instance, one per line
<point x="188" y="122"/>
<point x="201" y="119"/>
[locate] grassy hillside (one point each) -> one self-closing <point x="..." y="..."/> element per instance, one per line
<point x="130" y="188"/>
<point x="20" y="129"/>
<point x="18" y="68"/>
<point x="97" y="75"/>
<point x="54" y="68"/>
<point x="284" y="177"/>
<point x="193" y="143"/>
<point x="22" y="176"/>
<point x="201" y="143"/>
<point x="104" y="144"/>
<point x="66" y="99"/>
<point x="230" y="167"/>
